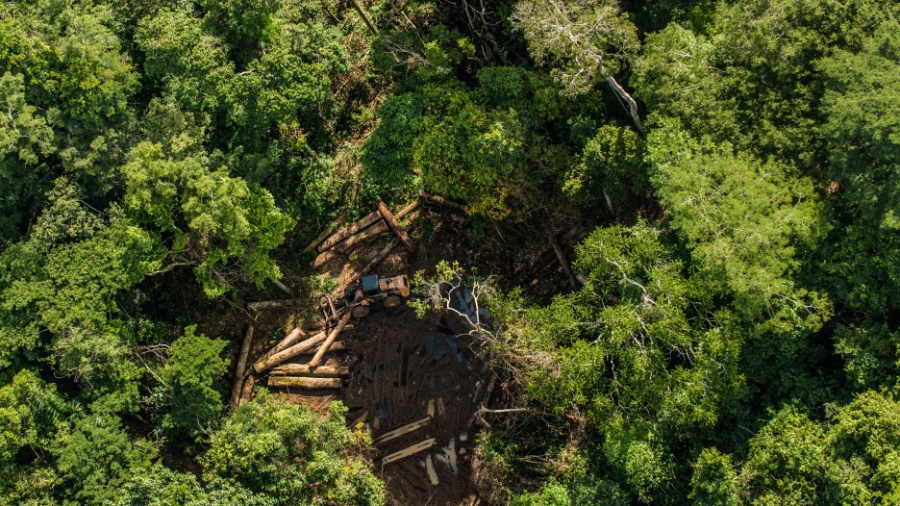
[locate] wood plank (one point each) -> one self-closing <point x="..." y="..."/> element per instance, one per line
<point x="241" y="367"/>
<point x="406" y="452"/>
<point x="303" y="382"/>
<point x="323" y="371"/>
<point x="265" y="363"/>
<point x="406" y="429"/>
<point x="331" y="337"/>
<point x="395" y="225"/>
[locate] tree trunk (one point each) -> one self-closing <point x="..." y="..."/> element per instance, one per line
<point x="325" y="233"/>
<point x="561" y="256"/>
<point x="406" y="429"/>
<point x="364" y="16"/>
<point x="247" y="391"/>
<point x="273" y="304"/>
<point x="293" y="351"/>
<point x="406" y="452"/>
<point x="327" y="344"/>
<point x="323" y="371"/>
<point x="308" y="383"/>
<point x="286" y="343"/>
<point x="241" y="367"/>
<point x="632" y="104"/>
<point x="395" y="225"/>
<point x="340" y="235"/>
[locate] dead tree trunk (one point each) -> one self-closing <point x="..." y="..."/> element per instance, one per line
<point x="273" y="304"/>
<point x="364" y="16"/>
<point x="323" y="371"/>
<point x="632" y="104"/>
<point x="308" y="383"/>
<point x="241" y="367"/>
<point x="327" y="344"/>
<point x="247" y="391"/>
<point x="293" y="351"/>
<point x="325" y="233"/>
<point x="286" y="343"/>
<point x="395" y="225"/>
<point x="339" y="236"/>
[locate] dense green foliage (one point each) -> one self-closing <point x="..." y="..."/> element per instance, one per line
<point x="735" y="340"/>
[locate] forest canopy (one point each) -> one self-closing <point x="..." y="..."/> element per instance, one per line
<point x="730" y="332"/>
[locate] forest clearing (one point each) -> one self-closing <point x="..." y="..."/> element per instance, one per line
<point x="449" y="252"/>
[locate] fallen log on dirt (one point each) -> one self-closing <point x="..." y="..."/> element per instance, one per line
<point x="283" y="287"/>
<point x="241" y="367"/>
<point x="406" y="452"/>
<point x="325" y="233"/>
<point x="563" y="261"/>
<point x="247" y="390"/>
<point x="331" y="337"/>
<point x="273" y="304"/>
<point x="292" y="337"/>
<point x="340" y="235"/>
<point x="303" y="382"/>
<point x="395" y="225"/>
<point x="406" y="429"/>
<point x="323" y="258"/>
<point x="322" y="371"/>
<point x="277" y="358"/>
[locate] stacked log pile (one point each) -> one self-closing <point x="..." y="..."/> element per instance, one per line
<point x="374" y="225"/>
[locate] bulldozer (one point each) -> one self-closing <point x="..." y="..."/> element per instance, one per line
<point x="390" y="291"/>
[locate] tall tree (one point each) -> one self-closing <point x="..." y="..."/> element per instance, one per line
<point x="586" y="41"/>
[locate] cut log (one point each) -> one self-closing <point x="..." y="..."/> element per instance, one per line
<point x="323" y="371"/>
<point x="408" y="209"/>
<point x="406" y="452"/>
<point x="406" y="429"/>
<point x="395" y="225"/>
<point x="340" y="235"/>
<point x="247" y="391"/>
<point x="273" y="304"/>
<point x="336" y="346"/>
<point x="292" y="337"/>
<point x="432" y="474"/>
<point x="561" y="256"/>
<point x="283" y="287"/>
<point x="303" y="382"/>
<point x="277" y="358"/>
<point x="323" y="258"/>
<point x="325" y="233"/>
<point x="327" y="344"/>
<point x="241" y="367"/>
<point x="377" y="230"/>
<point x="444" y="201"/>
<point x="450" y="452"/>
